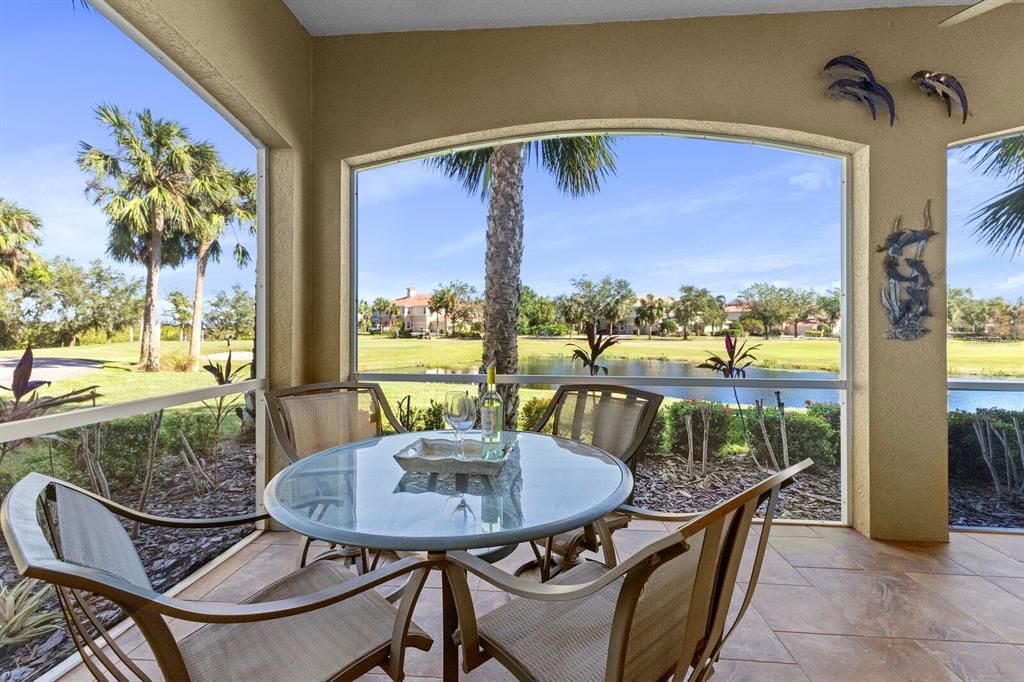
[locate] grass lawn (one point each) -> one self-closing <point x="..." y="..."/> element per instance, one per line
<point x="117" y="382"/>
<point x="381" y="354"/>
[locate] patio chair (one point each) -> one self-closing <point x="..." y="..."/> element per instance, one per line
<point x="615" y="419"/>
<point x="314" y="417"/>
<point x="321" y="622"/>
<point x="662" y="612"/>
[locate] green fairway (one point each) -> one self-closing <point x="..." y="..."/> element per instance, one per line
<point x="118" y="382"/>
<point x="382" y="354"/>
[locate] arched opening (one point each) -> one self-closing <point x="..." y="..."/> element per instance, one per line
<point x="667" y="241"/>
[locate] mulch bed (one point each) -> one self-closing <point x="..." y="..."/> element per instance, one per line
<point x="976" y="504"/>
<point x="169" y="555"/>
<point x="662" y="485"/>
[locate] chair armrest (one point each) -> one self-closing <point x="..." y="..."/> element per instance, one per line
<point x="651" y="515"/>
<point x="217" y="612"/>
<point x="530" y="589"/>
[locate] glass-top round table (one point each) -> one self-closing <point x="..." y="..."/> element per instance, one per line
<point x="358" y="494"/>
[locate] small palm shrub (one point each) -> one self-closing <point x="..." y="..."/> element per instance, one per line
<point x="718" y="431"/>
<point x="808" y="436"/>
<point x="21" y="613"/>
<point x="530" y="412"/>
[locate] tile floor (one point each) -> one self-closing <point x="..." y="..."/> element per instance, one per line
<point x="831" y="606"/>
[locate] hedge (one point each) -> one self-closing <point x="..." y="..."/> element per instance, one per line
<point x="718" y="433"/>
<point x="965" y="462"/>
<point x="808" y="436"/>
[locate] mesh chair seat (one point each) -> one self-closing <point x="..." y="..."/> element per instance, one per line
<point x="312" y="646"/>
<point x="561" y="641"/>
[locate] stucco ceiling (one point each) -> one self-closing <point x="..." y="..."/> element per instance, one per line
<point x="341" y="17"/>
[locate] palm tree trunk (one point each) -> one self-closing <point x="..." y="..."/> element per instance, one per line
<point x="196" y="338"/>
<point x="149" y="353"/>
<point x="502" y="262"/>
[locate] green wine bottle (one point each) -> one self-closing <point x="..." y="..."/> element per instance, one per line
<point x="492" y="418"/>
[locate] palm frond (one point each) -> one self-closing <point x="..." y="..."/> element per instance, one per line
<point x="578" y="163"/>
<point x="1000" y="223"/>
<point x="472" y="168"/>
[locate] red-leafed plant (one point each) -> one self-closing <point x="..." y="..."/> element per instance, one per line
<point x="27" y="403"/>
<point x="733" y="366"/>
<point x="598" y="343"/>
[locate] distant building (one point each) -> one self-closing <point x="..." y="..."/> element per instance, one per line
<point x="414" y="312"/>
<point x="735" y="309"/>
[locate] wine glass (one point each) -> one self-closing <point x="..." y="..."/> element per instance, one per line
<point x="460" y="413"/>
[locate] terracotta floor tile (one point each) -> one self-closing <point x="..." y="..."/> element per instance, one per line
<point x="979" y="558"/>
<point x="750" y="671"/>
<point x="800" y="608"/>
<point x="882" y="604"/>
<point x="891" y="556"/>
<point x="775" y="570"/>
<point x="275" y="561"/>
<point x="753" y="640"/>
<point x="1014" y="586"/>
<point x="219" y="574"/>
<point x="987" y="603"/>
<point x="1010" y="544"/>
<point x="831" y="658"/>
<point x="812" y="552"/>
<point x="975" y="662"/>
<point x="785" y="530"/>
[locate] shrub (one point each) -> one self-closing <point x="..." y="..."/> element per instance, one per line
<point x="718" y="433"/>
<point x="175" y="361"/>
<point x="830" y="413"/>
<point x="430" y="418"/>
<point x="530" y="412"/>
<point x="732" y="450"/>
<point x="198" y="426"/>
<point x="808" y="436"/>
<point x="23" y="614"/>
<point x="965" y="462"/>
<point x="123" y="446"/>
<point x="656" y="437"/>
<point x="553" y="329"/>
<point x="668" y="327"/>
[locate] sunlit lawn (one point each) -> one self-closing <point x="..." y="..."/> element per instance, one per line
<point x="380" y="354"/>
<point x="118" y="382"/>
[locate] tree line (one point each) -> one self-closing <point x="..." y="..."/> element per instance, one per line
<point x="993" y="317"/>
<point x="168" y="200"/>
<point x="603" y="303"/>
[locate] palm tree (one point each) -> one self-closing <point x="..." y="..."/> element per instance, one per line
<point x="233" y="201"/>
<point x="649" y="310"/>
<point x="19" y="232"/>
<point x="1000" y="223"/>
<point x="578" y="164"/>
<point x="145" y="186"/>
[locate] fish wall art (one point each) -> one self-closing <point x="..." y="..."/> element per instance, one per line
<point x="853" y="79"/>
<point x="947" y="88"/>
<point x="907" y="280"/>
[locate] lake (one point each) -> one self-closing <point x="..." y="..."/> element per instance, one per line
<point x="958" y="400"/>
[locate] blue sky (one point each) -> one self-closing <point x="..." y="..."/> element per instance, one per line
<point x="57" y="63"/>
<point x="679" y="211"/>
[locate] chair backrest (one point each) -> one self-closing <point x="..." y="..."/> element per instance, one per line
<point x="615" y="419"/>
<point x="82" y="548"/>
<point x="314" y="417"/>
<point x="672" y="608"/>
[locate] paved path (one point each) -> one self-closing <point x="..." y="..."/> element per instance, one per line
<point x="49" y="369"/>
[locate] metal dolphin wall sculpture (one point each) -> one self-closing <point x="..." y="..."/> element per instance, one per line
<point x="853" y="79"/>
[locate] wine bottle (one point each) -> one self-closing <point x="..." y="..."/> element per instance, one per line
<point x="492" y="418"/>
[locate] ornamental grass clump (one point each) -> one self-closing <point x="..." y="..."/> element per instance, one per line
<point x="21" y="616"/>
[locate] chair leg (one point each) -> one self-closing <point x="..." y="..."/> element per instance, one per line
<point x="304" y="551"/>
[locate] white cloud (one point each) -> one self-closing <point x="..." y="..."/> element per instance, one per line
<point x="812" y="180"/>
<point x="466" y="242"/>
<point x="1011" y="282"/>
<point x="379" y="185"/>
